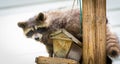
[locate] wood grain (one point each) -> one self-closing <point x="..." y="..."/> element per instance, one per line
<point x="94" y="27"/>
<point x="100" y="31"/>
<point x="88" y="32"/>
<point x="49" y="60"/>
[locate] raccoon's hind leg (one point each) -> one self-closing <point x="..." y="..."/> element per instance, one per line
<point x="113" y="46"/>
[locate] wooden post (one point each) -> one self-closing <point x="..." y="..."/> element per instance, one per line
<point x="100" y="31"/>
<point x="94" y="31"/>
<point x="88" y="32"/>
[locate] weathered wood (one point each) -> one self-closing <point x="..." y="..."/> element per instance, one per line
<point x="69" y="36"/>
<point x="94" y="24"/>
<point x="66" y="45"/>
<point x="49" y="60"/>
<point x="61" y="43"/>
<point x="61" y="47"/>
<point x="100" y="32"/>
<point x="88" y="32"/>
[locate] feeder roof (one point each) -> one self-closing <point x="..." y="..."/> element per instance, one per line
<point x="68" y="36"/>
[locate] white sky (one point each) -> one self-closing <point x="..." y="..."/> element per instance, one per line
<point x="15" y="48"/>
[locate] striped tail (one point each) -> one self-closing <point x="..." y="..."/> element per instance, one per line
<point x="113" y="46"/>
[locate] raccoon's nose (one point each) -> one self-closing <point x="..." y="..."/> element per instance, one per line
<point x="36" y="38"/>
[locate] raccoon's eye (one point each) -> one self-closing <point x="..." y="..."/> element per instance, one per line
<point x="30" y="33"/>
<point x="41" y="30"/>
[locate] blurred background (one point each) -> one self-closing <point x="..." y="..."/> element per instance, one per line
<point x="15" y="48"/>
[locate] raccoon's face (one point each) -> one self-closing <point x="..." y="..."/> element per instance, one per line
<point x="34" y="27"/>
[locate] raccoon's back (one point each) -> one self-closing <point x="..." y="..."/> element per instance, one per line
<point x="68" y="20"/>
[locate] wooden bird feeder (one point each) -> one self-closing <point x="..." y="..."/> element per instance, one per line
<point x="64" y="42"/>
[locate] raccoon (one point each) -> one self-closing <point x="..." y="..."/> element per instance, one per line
<point x="42" y="25"/>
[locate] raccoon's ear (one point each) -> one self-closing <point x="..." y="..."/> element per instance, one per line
<point x="40" y="17"/>
<point x="22" y="24"/>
